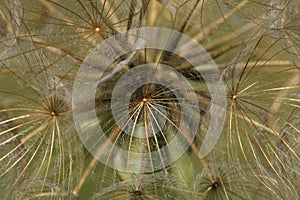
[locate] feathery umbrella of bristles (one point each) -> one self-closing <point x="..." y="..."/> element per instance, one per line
<point x="151" y="103"/>
<point x="238" y="181"/>
<point x="221" y="26"/>
<point x="72" y="28"/>
<point x="263" y="90"/>
<point x="226" y="184"/>
<point x="151" y="106"/>
<point x="144" y="186"/>
<point x="37" y="138"/>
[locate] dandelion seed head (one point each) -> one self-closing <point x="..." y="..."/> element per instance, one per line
<point x="257" y="153"/>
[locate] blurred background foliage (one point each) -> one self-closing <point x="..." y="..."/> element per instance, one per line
<point x="256" y="45"/>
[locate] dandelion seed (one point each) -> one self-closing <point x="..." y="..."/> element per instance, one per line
<point x="151" y="186"/>
<point x="257" y="105"/>
<point x="75" y="27"/>
<point x="232" y="181"/>
<point x="39" y="132"/>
